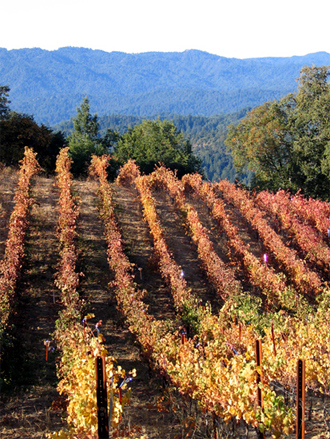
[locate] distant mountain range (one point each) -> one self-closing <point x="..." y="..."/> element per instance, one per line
<point x="51" y="84"/>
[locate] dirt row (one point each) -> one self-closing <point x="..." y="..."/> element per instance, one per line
<point x="26" y="410"/>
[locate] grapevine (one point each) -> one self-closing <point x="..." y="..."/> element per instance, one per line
<point x="305" y="280"/>
<point x="304" y="235"/>
<point x="222" y="278"/>
<point x="273" y="285"/>
<point x="177" y="362"/>
<point x="213" y="366"/>
<point x="14" y="252"/>
<point x="313" y="212"/>
<point x="78" y="344"/>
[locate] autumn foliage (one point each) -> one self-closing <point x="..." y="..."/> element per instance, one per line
<point x="11" y="265"/>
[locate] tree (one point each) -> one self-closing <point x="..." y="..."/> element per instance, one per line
<point x="82" y="141"/>
<point x="4" y="101"/>
<point x="261" y="143"/>
<point x="286" y="143"/>
<point x="154" y="142"/>
<point x="110" y="139"/>
<point x="19" y="130"/>
<point x="311" y="119"/>
<point x="85" y="141"/>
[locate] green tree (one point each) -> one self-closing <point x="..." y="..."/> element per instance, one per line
<point x="85" y="140"/>
<point x="262" y="143"/>
<point x="311" y="142"/>
<point x="154" y="142"/>
<point x="286" y="143"/>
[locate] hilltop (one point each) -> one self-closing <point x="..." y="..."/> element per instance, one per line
<point x="51" y="84"/>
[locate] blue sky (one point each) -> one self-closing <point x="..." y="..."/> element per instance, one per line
<point x="234" y="29"/>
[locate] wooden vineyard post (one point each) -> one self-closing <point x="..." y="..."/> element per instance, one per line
<point x="183" y="337"/>
<point x="300" y="423"/>
<point x="273" y="339"/>
<point x="260" y="401"/>
<point x="259" y="377"/>
<point x="101" y="395"/>
<point x="47" y="344"/>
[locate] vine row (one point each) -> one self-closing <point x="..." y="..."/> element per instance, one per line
<point x="79" y="345"/>
<point x="11" y="264"/>
<point x="305" y="280"/>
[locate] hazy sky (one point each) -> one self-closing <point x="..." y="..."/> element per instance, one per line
<point x="234" y="29"/>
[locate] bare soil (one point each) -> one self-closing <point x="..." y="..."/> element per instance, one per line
<point x="26" y="412"/>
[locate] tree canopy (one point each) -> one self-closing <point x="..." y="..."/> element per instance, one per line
<point x="286" y="143"/>
<point x="85" y="140"/>
<point x="20" y="130"/>
<point x="156" y="141"/>
<point x="206" y="134"/>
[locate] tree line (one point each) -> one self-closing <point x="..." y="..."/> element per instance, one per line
<point x="151" y="142"/>
<point x="281" y="144"/>
<point x="206" y="134"/>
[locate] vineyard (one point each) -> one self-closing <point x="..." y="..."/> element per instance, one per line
<point x="201" y="299"/>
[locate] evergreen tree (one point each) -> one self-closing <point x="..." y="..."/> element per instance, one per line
<point x="84" y="140"/>
<point x="154" y="142"/>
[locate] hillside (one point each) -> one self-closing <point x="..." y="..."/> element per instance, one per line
<point x="51" y="84"/>
<point x="158" y="409"/>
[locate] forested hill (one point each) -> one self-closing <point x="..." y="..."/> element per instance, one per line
<point x="50" y="84"/>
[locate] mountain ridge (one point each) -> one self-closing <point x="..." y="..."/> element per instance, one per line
<point x="51" y="84"/>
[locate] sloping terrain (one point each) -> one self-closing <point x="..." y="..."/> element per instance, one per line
<point x="33" y="407"/>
